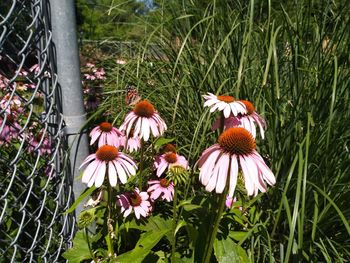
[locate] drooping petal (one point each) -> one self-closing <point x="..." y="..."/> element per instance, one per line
<point x="223" y="172"/>
<point x="89" y="171"/>
<point x="112" y="174"/>
<point x="100" y="174"/>
<point x="121" y="173"/>
<point x="233" y="175"/>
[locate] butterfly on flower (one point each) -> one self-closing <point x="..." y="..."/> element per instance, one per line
<point x="132" y="97"/>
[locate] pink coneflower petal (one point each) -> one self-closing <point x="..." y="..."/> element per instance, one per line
<point x="101" y="174"/>
<point x="226" y="104"/>
<point x="112" y="174"/>
<point x="233" y="176"/>
<point x="135" y="201"/>
<point x="144" y="120"/>
<point x="221" y="160"/>
<point x="105" y="133"/>
<point x="164" y="161"/>
<point x="89" y="171"/>
<point x="108" y="158"/>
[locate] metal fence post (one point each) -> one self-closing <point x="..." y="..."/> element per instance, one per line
<point x="68" y="70"/>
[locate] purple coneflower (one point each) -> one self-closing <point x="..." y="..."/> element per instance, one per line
<point x="8" y="130"/>
<point x="235" y="150"/>
<point x="108" y="159"/>
<point x="161" y="188"/>
<point x="247" y="121"/>
<point x="135" y="201"/>
<point x="130" y="144"/>
<point x="43" y="145"/>
<point x="227" y="104"/>
<point x="145" y="120"/>
<point x="107" y="134"/>
<point x="167" y="160"/>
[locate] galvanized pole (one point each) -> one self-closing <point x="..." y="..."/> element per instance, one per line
<point x="68" y="70"/>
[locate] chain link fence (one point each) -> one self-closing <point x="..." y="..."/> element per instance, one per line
<point x="34" y="187"/>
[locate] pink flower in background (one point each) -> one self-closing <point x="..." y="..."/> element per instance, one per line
<point x="227" y="104"/>
<point x="144" y="120"/>
<point x="161" y="188"/>
<point x="8" y="130"/>
<point x="229" y="201"/>
<point x="90" y="65"/>
<point x="136" y="202"/>
<point x="4" y="82"/>
<point x="247" y="121"/>
<point x="40" y="142"/>
<point x="167" y="160"/>
<point x="220" y="164"/>
<point x="107" y="159"/>
<point x="121" y="61"/>
<point x="89" y="76"/>
<point x="131" y="144"/>
<point x="11" y="105"/>
<point x="100" y="74"/>
<point x="107" y="134"/>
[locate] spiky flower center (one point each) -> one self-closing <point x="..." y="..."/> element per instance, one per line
<point x="144" y="109"/>
<point x="226" y="99"/>
<point x="249" y="106"/>
<point x="135" y="199"/>
<point x="106" y="127"/>
<point x="107" y="153"/>
<point x="170" y="157"/>
<point x="237" y="141"/>
<point x="164" y="182"/>
<point x="169" y="148"/>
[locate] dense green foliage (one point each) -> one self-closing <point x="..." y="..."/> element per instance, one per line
<point x="292" y="61"/>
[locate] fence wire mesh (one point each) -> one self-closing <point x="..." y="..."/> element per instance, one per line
<point x="34" y="187"/>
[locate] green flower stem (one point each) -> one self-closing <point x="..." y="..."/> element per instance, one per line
<point x="142" y="150"/>
<point x="173" y="242"/>
<point x="221" y="206"/>
<point x="222" y="123"/>
<point x="108" y="223"/>
<point x="88" y="242"/>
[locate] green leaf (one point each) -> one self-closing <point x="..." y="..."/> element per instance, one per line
<point x="81" y="197"/>
<point x="227" y="251"/>
<point x="143" y="247"/>
<point x="80" y="250"/>
<point x="162" y="141"/>
<point x="154" y="224"/>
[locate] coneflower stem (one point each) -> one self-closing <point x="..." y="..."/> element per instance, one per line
<point x="173" y="242"/>
<point x="222" y="123"/>
<point x="108" y="223"/>
<point x="221" y="206"/>
<point x="141" y="164"/>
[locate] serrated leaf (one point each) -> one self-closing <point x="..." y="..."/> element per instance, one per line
<point x="80" y="250"/>
<point x="227" y="251"/>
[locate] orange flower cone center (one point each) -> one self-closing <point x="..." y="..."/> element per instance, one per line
<point x="169" y="148"/>
<point x="170" y="157"/>
<point x="135" y="199"/>
<point x="107" y="153"/>
<point x="237" y="141"/>
<point x="164" y="182"/>
<point x="250" y="107"/>
<point x="106" y="127"/>
<point x="144" y="109"/>
<point x="227" y="99"/>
